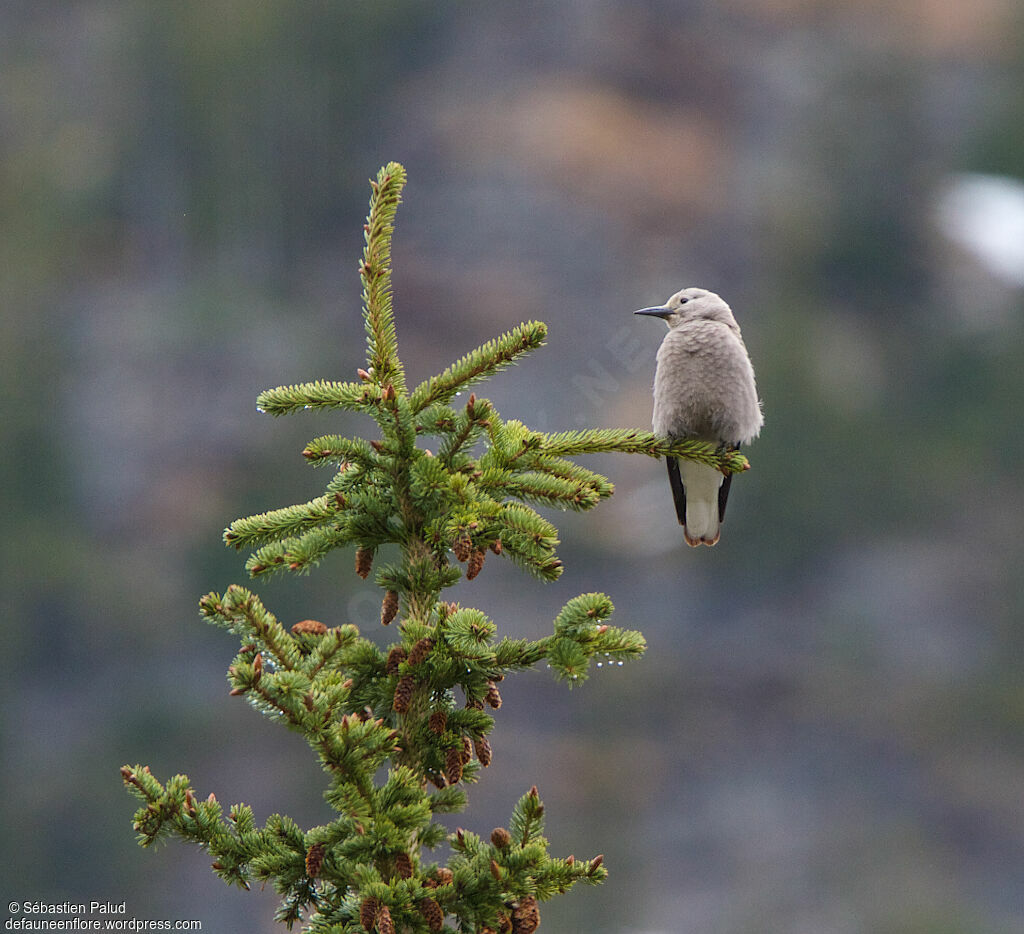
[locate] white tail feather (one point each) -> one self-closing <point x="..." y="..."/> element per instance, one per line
<point x="701" y="483"/>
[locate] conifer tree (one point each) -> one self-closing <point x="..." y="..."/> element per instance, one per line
<point x="418" y="516"/>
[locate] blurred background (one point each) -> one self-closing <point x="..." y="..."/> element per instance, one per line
<point x="827" y="734"/>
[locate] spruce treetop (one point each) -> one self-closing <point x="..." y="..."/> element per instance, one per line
<point x="440" y="489"/>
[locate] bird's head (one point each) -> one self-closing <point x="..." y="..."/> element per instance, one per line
<point x="690" y="305"/>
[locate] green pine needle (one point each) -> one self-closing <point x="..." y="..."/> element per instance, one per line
<point x="279" y="523"/>
<point x="321" y="394"/>
<point x="479" y="364"/>
<point x="375" y="271"/>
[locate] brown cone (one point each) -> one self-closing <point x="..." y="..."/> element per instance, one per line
<point x="432" y="913"/>
<point x="463" y="547"/>
<point x="368" y="913"/>
<point x="314" y="860"/>
<point x="475" y="563"/>
<point x="500" y="837"/>
<point x="483" y="750"/>
<point x="396" y="656"/>
<point x="421" y="650"/>
<point x="526" y="918"/>
<point x="403" y="865"/>
<point x="310" y="627"/>
<point x="453" y="765"/>
<point x="403" y="694"/>
<point x="389" y="608"/>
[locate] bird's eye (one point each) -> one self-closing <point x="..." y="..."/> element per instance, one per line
<point x="683" y="301"/>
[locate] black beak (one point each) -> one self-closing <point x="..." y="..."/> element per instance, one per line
<point x="659" y="312"/>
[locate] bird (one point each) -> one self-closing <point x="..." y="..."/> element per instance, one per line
<point x="704" y="389"/>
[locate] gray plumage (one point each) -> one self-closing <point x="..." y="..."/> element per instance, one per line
<point x="703" y="389"/>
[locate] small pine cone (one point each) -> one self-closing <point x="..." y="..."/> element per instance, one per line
<point x="467" y="750"/>
<point x="463" y="547"/>
<point x="483" y="750"/>
<point x="453" y="765"/>
<point x="432" y="913"/>
<point x="495" y="870"/>
<point x="444" y="875"/>
<point x="437" y="780"/>
<point x="421" y="650"/>
<point x="314" y="860"/>
<point x="526" y="918"/>
<point x="500" y="837"/>
<point x="396" y="656"/>
<point x="438" y="721"/>
<point x="403" y="694"/>
<point x="386" y="926"/>
<point x="496" y="546"/>
<point x="311" y="627"/>
<point x="364" y="562"/>
<point x="403" y="865"/>
<point x="389" y="608"/>
<point x="504" y="923"/>
<point x="493" y="696"/>
<point x="474" y="703"/>
<point x="368" y="912"/>
<point x="475" y="563"/>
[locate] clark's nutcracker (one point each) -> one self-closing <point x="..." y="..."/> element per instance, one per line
<point x="704" y="389"/>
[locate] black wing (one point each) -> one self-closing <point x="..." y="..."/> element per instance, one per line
<point x="678" y="492"/>
<point x="723" y="494"/>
